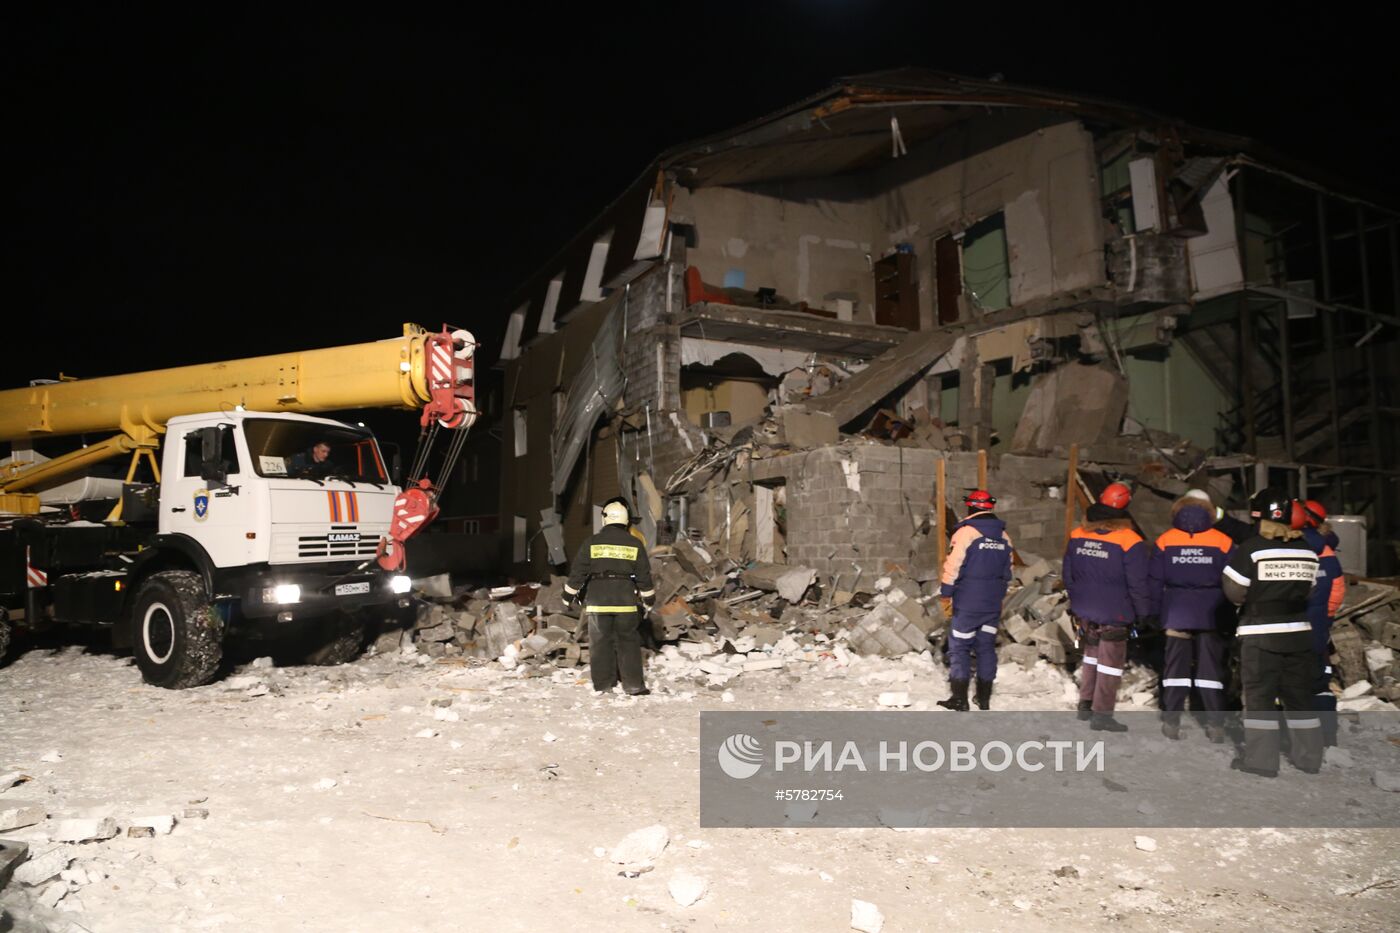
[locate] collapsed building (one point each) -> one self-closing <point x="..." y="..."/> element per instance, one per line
<point x="777" y="339"/>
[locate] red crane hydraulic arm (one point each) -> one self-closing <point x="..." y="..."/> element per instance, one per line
<point x="452" y="406"/>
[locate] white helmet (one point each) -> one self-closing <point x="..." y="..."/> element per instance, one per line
<point x="615" y="513"/>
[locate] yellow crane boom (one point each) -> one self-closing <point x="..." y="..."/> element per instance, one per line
<point x="418" y="370"/>
<point x="383" y="374"/>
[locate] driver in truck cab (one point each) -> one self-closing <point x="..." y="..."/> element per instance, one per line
<point x="314" y="463"/>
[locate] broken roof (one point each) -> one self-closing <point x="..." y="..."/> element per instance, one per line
<point x="848" y="127"/>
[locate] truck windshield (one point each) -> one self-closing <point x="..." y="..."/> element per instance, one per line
<point x="305" y="450"/>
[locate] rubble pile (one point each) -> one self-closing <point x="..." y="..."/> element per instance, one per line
<point x="50" y="857"/>
<point x="1365" y="638"/>
<point x="718" y="620"/>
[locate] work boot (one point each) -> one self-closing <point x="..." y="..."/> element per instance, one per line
<point x="984" y="693"/>
<point x="1329" y="728"/>
<point x="1086" y="710"/>
<point x="1171" y="725"/>
<point x="638" y="693"/>
<point x="1104" y="722"/>
<point x="1215" y="731"/>
<point x="1239" y="765"/>
<point x="958" y="701"/>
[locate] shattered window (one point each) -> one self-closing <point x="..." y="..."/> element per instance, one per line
<point x="986" y="268"/>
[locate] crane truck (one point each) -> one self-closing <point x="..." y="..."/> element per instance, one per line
<point x="257" y="512"/>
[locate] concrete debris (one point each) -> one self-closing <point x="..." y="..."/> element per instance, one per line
<point x="793" y="584"/>
<point x="53" y="894"/>
<point x="887" y="632"/>
<point x="686" y="888"/>
<point x="43" y="867"/>
<point x="52" y="758"/>
<point x="806" y="430"/>
<point x="75" y="876"/>
<point x="1356" y="690"/>
<point x="140" y="832"/>
<point x="866" y="917"/>
<point x="12" y="779"/>
<point x="1145" y="843"/>
<point x="1072" y="404"/>
<point x="444" y="632"/>
<point x="1387" y="781"/>
<point x="898" y="700"/>
<point x="1018" y="629"/>
<point x="83" y="830"/>
<point x="1338" y="757"/>
<point x="695" y="560"/>
<point x="886" y="373"/>
<point x="17" y="815"/>
<point x="195" y="813"/>
<point x="12" y="853"/>
<point x="642" y="846"/>
<point x="765" y="664"/>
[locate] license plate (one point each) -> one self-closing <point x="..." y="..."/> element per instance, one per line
<point x="351" y="589"/>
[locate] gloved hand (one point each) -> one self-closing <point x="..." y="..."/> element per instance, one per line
<point x="946" y="604"/>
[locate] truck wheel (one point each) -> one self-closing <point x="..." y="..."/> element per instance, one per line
<point x="176" y="635"/>
<point x="341" y="644"/>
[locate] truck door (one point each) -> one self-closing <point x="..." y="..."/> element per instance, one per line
<point x="214" y="514"/>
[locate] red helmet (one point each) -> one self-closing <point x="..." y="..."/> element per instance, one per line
<point x="979" y="500"/>
<point x="1297" y="518"/>
<point x="1314" y="513"/>
<point x="1116" y="496"/>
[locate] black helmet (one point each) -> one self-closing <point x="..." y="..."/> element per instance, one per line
<point x="1271" y="505"/>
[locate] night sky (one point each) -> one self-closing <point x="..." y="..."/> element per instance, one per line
<point x="217" y="183"/>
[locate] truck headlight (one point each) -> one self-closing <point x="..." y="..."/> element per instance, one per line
<point x="283" y="593"/>
<point x="400" y="583"/>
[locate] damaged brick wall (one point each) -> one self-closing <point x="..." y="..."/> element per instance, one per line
<point x="870" y="506"/>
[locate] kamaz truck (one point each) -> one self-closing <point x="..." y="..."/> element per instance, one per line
<point x="238" y="508"/>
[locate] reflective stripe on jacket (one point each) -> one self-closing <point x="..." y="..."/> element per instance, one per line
<point x="613" y="567"/>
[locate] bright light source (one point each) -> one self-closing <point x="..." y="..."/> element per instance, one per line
<point x="282" y="593"/>
<point x="400" y="583"/>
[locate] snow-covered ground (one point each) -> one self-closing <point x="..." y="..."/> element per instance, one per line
<point x="399" y="793"/>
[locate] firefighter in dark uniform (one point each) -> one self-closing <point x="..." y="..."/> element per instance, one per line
<point x="611" y="574"/>
<point x="1270" y="577"/>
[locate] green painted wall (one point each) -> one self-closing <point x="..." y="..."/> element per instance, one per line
<point x="1175" y="395"/>
<point x="1008" y="401"/>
